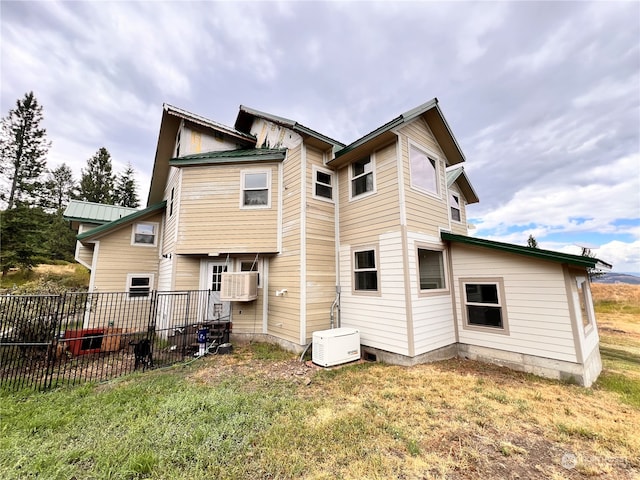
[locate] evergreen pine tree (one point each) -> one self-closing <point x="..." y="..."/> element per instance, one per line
<point x="23" y="150"/>
<point x="23" y="237"/>
<point x="96" y="183"/>
<point x="125" y="190"/>
<point x="62" y="187"/>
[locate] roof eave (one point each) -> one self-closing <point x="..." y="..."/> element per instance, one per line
<point x="102" y="229"/>
<point x="540" y="254"/>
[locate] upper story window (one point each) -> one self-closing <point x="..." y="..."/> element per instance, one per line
<point x="322" y="184"/>
<point x="424" y="170"/>
<point x="454" y="204"/>
<point x="145" y="234"/>
<point x="255" y="189"/>
<point x="362" y="180"/>
<point x="173" y="193"/>
<point x="178" y="141"/>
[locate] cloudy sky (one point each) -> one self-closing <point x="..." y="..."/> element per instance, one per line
<point x="543" y="97"/>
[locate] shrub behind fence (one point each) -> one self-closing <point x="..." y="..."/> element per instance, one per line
<point x="49" y="340"/>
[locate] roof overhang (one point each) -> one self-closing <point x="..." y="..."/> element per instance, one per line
<point x="429" y="111"/>
<point x="548" y="255"/>
<point x="458" y="176"/>
<point x="169" y="124"/>
<point x="94" y="233"/>
<point x="246" y="116"/>
<point x="254" y="155"/>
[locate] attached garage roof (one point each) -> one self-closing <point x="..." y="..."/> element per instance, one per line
<point x="121" y="221"/>
<point x="549" y="255"/>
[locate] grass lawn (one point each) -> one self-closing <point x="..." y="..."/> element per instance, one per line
<point x="259" y="413"/>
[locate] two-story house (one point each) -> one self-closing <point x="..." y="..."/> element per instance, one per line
<point x="370" y="235"/>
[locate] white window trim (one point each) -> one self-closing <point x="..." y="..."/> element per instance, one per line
<point x="243" y="173"/>
<point x="131" y="276"/>
<point x="432" y="292"/>
<point x="582" y="284"/>
<point x="315" y="171"/>
<point x="156" y="226"/>
<point x="372" y="158"/>
<point x="370" y="293"/>
<point x="429" y="154"/>
<point x="455" y="194"/>
<point x="499" y="283"/>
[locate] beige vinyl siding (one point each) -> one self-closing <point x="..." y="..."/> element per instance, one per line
<point x="247" y="316"/>
<point x="165" y="275"/>
<point x="433" y="320"/>
<point x="381" y="320"/>
<point x="320" y="253"/>
<point x="117" y="257"/>
<point x="284" y="269"/>
<point x="187" y="276"/>
<point x="536" y="301"/>
<point x="459" y="228"/>
<point x="425" y="213"/>
<point x="84" y="254"/>
<point x="211" y="219"/>
<point x="171" y="221"/>
<point x="363" y="219"/>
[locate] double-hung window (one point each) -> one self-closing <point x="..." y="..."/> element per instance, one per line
<point x="431" y="270"/>
<point x="145" y="234"/>
<point x="454" y="204"/>
<point x="365" y="271"/>
<point x="362" y="180"/>
<point x="424" y="170"/>
<point x="484" y="304"/>
<point x="255" y="189"/>
<point x="322" y="184"/>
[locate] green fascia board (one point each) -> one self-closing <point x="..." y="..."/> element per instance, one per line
<point x="230" y="156"/>
<point x="121" y="221"/>
<point x="399" y="120"/>
<point x="292" y="124"/>
<point x="549" y="255"/>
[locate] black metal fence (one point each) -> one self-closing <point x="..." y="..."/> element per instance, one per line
<point x="50" y="340"/>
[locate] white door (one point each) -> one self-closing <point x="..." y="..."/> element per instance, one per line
<point x="216" y="309"/>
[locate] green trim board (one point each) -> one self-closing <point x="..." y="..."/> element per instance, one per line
<point x="122" y="221"/>
<point x="231" y="156"/>
<point x="549" y="255"/>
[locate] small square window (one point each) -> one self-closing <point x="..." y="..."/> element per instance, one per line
<point x="362" y="177"/>
<point x="145" y="234"/>
<point x="483" y="305"/>
<point x="255" y="189"/>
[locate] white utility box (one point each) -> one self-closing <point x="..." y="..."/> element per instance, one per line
<point x="336" y="346"/>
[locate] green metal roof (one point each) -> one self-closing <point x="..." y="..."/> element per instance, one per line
<point x="231" y="156"/>
<point x="292" y="124"/>
<point x="91" y="212"/>
<point x="121" y="221"/>
<point x="549" y="255"/>
<point x="457" y="174"/>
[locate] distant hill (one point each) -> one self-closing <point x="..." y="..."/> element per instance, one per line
<point x="611" y="277"/>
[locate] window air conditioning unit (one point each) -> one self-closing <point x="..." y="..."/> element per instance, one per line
<point x="239" y="286"/>
<point x="336" y="346"/>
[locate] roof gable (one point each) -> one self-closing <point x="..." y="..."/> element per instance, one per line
<point x="431" y="113"/>
<point x="458" y="176"/>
